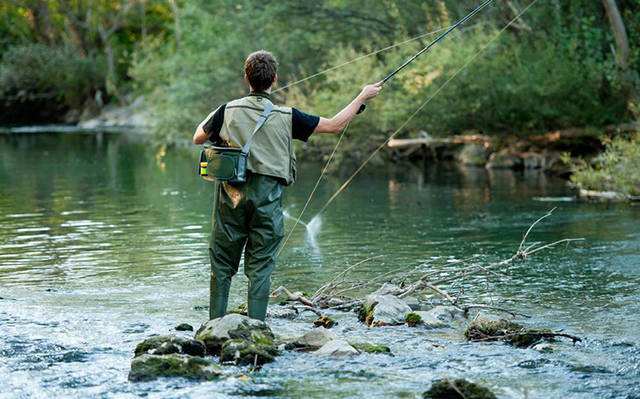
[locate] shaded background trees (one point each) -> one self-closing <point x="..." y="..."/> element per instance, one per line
<point x="562" y="65"/>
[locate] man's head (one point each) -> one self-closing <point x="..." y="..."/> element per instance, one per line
<point x="260" y="70"/>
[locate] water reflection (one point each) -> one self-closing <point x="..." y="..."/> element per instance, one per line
<point x="103" y="241"/>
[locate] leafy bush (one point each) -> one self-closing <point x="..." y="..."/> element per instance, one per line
<point x="53" y="78"/>
<point x="616" y="169"/>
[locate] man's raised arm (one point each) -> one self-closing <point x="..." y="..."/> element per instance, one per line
<point x="342" y="118"/>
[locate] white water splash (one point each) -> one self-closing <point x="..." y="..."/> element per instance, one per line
<point x="313" y="229"/>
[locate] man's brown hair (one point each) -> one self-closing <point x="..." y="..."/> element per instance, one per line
<point x="260" y="67"/>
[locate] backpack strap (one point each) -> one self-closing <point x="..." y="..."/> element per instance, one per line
<point x="268" y="107"/>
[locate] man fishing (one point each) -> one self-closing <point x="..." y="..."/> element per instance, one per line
<point x="249" y="215"/>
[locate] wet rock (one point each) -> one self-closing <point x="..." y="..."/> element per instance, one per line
<point x="544" y="347"/>
<point x="372" y="348"/>
<point x="504" y="159"/>
<point x="337" y="347"/>
<point x="457" y="389"/>
<point x="429" y="320"/>
<point x="249" y="351"/>
<point x="168" y="344"/>
<point x="149" y="367"/>
<point x="200" y="308"/>
<point x="473" y="154"/>
<point x="324" y="321"/>
<point x="214" y="333"/>
<point x="383" y="310"/>
<point x="446" y="314"/>
<point x="184" y="327"/>
<point x="282" y="312"/>
<point x="313" y="339"/>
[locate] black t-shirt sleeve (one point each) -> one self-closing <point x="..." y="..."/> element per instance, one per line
<point x="302" y="124"/>
<point x="213" y="126"/>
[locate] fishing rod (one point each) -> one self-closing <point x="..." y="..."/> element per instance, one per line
<point x="429" y="46"/>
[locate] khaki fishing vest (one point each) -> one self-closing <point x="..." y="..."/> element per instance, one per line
<point x="271" y="152"/>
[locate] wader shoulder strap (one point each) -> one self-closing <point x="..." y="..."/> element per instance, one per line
<point x="268" y="107"/>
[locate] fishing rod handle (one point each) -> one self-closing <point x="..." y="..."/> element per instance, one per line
<point x="362" y="108"/>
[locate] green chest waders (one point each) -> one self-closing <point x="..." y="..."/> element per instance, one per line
<point x="229" y="164"/>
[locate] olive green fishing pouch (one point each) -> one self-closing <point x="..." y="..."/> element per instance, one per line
<point x="229" y="164"/>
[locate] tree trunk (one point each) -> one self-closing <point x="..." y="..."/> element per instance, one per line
<point x="619" y="33"/>
<point x="629" y="77"/>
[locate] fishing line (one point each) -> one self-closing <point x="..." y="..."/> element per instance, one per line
<point x="324" y="171"/>
<point x="469" y="61"/>
<point x="420" y="36"/>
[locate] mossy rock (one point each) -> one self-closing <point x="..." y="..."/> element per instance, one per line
<point x="457" y="389"/>
<point x="504" y="330"/>
<point x="168" y="344"/>
<point x="149" y="367"/>
<point x="412" y="319"/>
<point x="324" y="321"/>
<point x="372" y="348"/>
<point x="241" y="352"/>
<point x="216" y="332"/>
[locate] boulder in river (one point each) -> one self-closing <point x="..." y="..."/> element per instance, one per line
<point x="168" y="344"/>
<point x="313" y="339"/>
<point x="457" y="389"/>
<point x="337" y="347"/>
<point x="149" y="367"/>
<point x="184" y="327"/>
<point x="214" y="333"/>
<point x="383" y="310"/>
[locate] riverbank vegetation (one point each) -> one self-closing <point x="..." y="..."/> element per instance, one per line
<point x="561" y="65"/>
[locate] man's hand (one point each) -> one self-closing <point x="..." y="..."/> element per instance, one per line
<point x="370" y="91"/>
<point x="342" y="118"/>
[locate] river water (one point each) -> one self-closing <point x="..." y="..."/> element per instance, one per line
<point x="103" y="244"/>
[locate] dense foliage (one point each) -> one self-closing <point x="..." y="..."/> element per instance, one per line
<point x="616" y="169"/>
<point x="553" y="68"/>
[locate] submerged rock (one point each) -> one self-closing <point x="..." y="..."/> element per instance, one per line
<point x="168" y="344"/>
<point x="214" y="333"/>
<point x="324" y="321"/>
<point x="383" y="310"/>
<point x="184" y="327"/>
<point x="446" y="313"/>
<point x="372" y="348"/>
<point x="457" y="389"/>
<point x="148" y="367"/>
<point x="313" y="339"/>
<point x="282" y="312"/>
<point x="337" y="347"/>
